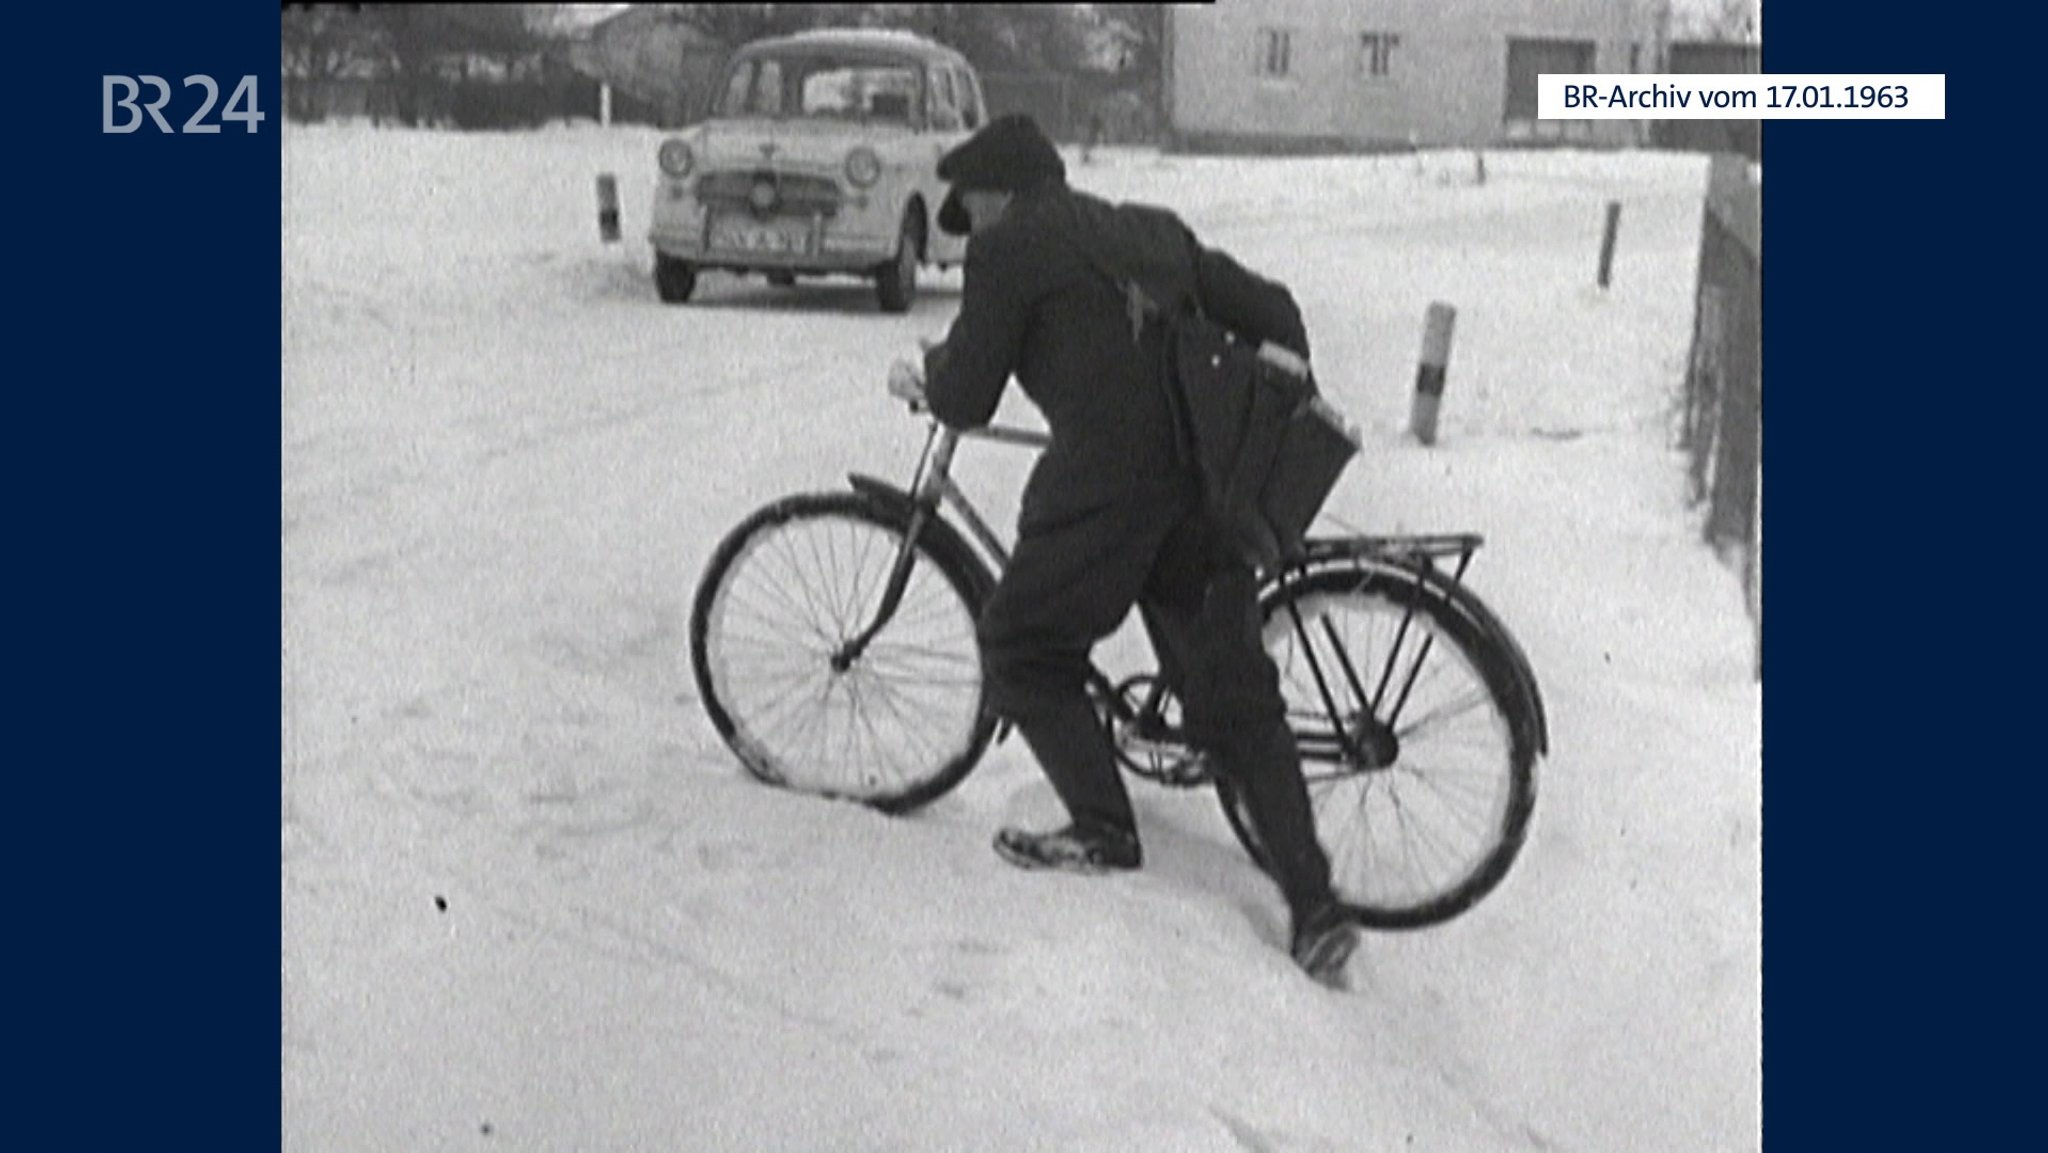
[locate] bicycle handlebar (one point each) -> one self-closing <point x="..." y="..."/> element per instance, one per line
<point x="905" y="385"/>
<point x="1008" y="434"/>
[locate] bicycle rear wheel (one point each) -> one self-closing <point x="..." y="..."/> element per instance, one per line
<point x="1418" y="742"/>
<point x="893" y="725"/>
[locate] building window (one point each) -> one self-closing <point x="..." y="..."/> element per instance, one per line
<point x="1275" y="46"/>
<point x="1376" y="52"/>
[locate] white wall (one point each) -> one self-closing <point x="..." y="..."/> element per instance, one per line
<point x="1447" y="81"/>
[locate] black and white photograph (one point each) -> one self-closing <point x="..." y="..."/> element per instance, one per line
<point x="995" y="577"/>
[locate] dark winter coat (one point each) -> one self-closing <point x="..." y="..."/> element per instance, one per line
<point x="1036" y="308"/>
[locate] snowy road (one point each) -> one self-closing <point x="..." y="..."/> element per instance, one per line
<point x="530" y="902"/>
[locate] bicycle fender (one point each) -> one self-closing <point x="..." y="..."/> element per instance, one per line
<point x="938" y="532"/>
<point x="1470" y="602"/>
<point x="894" y="498"/>
<point x="1459" y="597"/>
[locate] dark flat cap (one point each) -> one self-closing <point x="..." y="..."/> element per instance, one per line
<point x="1009" y="154"/>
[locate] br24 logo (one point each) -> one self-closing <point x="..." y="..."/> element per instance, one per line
<point x="241" y="104"/>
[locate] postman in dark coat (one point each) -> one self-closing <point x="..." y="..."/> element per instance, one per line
<point x="1112" y="517"/>
<point x="1036" y="308"/>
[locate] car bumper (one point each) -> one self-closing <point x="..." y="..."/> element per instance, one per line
<point x="682" y="229"/>
<point x="830" y="254"/>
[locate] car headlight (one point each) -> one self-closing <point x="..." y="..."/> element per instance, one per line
<point x="863" y="167"/>
<point x="675" y="158"/>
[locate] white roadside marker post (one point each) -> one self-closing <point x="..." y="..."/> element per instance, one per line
<point x="1429" y="373"/>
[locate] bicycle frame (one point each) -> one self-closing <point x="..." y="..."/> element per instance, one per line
<point x="932" y="487"/>
<point x="933" y="483"/>
<point x="1406" y="557"/>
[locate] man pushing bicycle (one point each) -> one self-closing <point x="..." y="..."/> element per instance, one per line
<point x="1112" y="516"/>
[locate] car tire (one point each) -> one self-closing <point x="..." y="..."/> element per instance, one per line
<point x="674" y="280"/>
<point x="896" y="281"/>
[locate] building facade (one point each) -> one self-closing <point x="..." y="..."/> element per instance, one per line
<point x="1278" y="75"/>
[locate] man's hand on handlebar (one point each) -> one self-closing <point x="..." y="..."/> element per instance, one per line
<point x="906" y="383"/>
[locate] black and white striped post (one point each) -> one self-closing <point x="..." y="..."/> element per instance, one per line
<point x="1429" y="373"/>
<point x="607" y="207"/>
<point x="1607" y="241"/>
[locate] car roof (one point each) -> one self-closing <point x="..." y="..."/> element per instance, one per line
<point x="880" y="39"/>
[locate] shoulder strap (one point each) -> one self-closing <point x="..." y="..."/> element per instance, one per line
<point x="1140" y="307"/>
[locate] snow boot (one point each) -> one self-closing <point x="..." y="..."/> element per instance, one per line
<point x="1323" y="943"/>
<point x="1078" y="848"/>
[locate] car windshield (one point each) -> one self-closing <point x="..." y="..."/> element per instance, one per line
<point x="811" y="84"/>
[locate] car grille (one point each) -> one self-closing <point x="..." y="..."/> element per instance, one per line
<point x="794" y="193"/>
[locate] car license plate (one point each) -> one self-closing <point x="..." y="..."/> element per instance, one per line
<point x="776" y="239"/>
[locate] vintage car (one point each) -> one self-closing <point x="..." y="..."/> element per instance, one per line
<point x="819" y="157"/>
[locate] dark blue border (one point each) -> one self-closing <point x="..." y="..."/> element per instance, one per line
<point x="146" y="463"/>
<point x="1900" y="414"/>
<point x="146" y="434"/>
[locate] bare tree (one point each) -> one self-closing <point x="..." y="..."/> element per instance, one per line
<point x="322" y="43"/>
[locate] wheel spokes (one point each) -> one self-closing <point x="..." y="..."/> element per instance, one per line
<point x="1404" y="834"/>
<point x="791" y="599"/>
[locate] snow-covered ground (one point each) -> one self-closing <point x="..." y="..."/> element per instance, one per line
<point x="530" y="901"/>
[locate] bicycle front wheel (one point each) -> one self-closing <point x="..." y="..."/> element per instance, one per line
<point x="1418" y="744"/>
<point x="893" y="723"/>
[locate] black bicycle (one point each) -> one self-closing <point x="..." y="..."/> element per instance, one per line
<point x="833" y="642"/>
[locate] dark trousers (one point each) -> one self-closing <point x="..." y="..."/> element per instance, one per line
<point x="1071" y="582"/>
